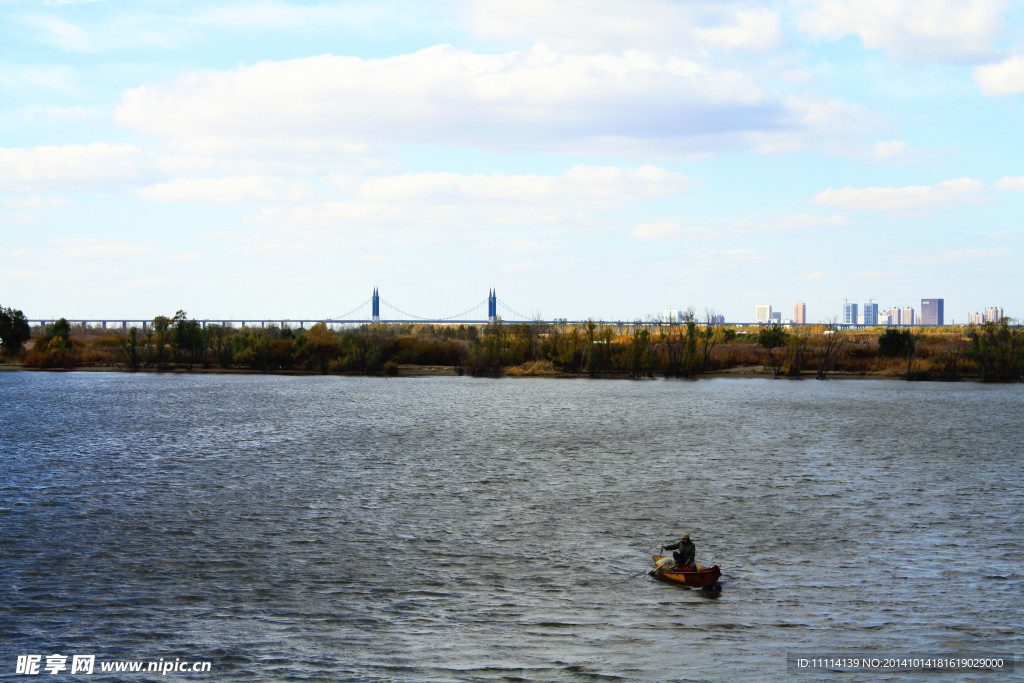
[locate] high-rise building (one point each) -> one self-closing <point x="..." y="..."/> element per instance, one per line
<point x="894" y="316"/>
<point x="850" y="313"/>
<point x="931" y="312"/>
<point x="800" y="313"/>
<point x="763" y="314"/>
<point x="994" y="314"/>
<point x="907" y="317"/>
<point x="777" y="317"/>
<point x="871" y="314"/>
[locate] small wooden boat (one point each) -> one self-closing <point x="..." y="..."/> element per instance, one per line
<point x="701" y="577"/>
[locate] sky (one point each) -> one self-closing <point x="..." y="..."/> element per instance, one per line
<point x="583" y="158"/>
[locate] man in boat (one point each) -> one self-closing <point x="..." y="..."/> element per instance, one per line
<point x="685" y="552"/>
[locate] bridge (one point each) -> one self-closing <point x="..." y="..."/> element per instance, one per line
<point x="366" y="313"/>
<point x="369" y="312"/>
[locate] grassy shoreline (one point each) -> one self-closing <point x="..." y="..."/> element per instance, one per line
<point x="414" y="371"/>
<point x="989" y="353"/>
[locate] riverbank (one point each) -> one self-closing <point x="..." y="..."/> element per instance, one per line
<point x="412" y="371"/>
<point x="992" y="353"/>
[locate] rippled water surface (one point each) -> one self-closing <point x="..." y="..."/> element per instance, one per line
<point x="440" y="529"/>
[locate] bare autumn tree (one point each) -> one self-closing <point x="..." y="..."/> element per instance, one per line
<point x="672" y="347"/>
<point x="710" y="336"/>
<point x="797" y="353"/>
<point x="158" y="337"/>
<point x="640" y="344"/>
<point x="130" y="349"/>
<point x="690" y="356"/>
<point x="833" y="342"/>
<point x="592" y="355"/>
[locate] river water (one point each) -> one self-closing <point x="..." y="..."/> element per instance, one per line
<point x="458" y="529"/>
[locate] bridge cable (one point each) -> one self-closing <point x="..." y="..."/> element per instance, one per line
<point x="420" y="317"/>
<point x="345" y="315"/>
<point x="399" y="310"/>
<point x="512" y="310"/>
<point x="468" y="310"/>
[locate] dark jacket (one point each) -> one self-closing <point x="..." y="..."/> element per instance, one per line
<point x="687" y="552"/>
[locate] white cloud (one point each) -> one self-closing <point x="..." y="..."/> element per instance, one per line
<point x="608" y="183"/>
<point x="519" y="266"/>
<point x="15" y="76"/>
<point x="878" y="275"/>
<point x="99" y="249"/>
<point x="1011" y="183"/>
<point x="670" y="230"/>
<point x="525" y="100"/>
<point x="894" y="152"/>
<point x="34" y="202"/>
<point x="815" y="275"/>
<point x="582" y="26"/>
<point x="178" y="25"/>
<point x="744" y="256"/>
<point x="21" y="274"/>
<point x="905" y="200"/>
<point x="149" y="283"/>
<point x="432" y="208"/>
<point x="519" y="246"/>
<point x="276" y="154"/>
<point x="665" y="230"/>
<point x="72" y="167"/>
<point x="787" y="223"/>
<point x="337" y="217"/>
<point x="238" y="190"/>
<point x="60" y="33"/>
<point x="959" y="256"/>
<point x="912" y="30"/>
<point x="274" y="17"/>
<point x="1008" y="234"/>
<point x="1004" y="78"/>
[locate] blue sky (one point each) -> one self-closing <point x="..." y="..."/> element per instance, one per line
<point x="585" y="158"/>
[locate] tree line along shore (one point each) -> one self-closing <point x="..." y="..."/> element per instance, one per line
<point x="990" y="352"/>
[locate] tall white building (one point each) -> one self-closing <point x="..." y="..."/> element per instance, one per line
<point x="907" y="316"/>
<point x="992" y="314"/>
<point x="763" y="314"/>
<point x="871" y="314"/>
<point x="850" y="313"/>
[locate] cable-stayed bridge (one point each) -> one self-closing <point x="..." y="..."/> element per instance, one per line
<point x="375" y="309"/>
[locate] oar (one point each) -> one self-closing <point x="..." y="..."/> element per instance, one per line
<point x="659" y="566"/>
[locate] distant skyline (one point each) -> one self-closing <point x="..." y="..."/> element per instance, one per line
<point x="594" y="159"/>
